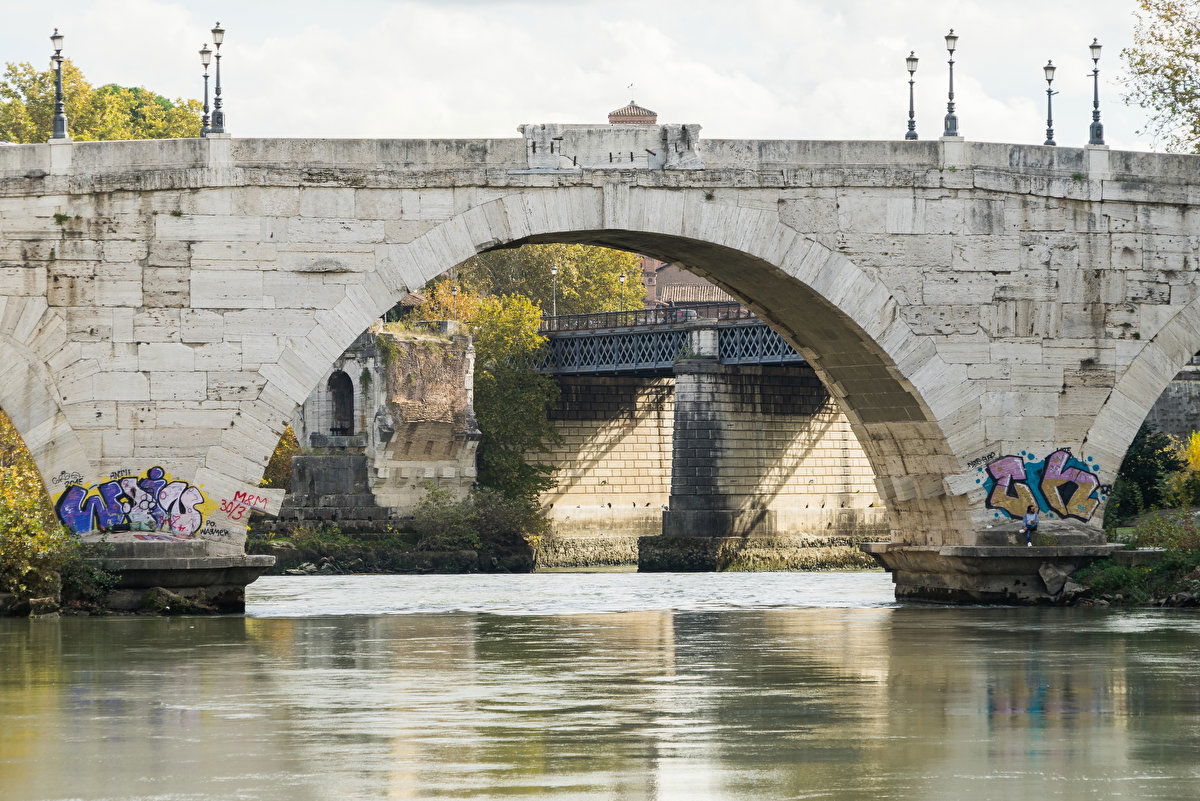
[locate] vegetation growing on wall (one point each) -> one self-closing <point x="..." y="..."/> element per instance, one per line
<point x="512" y="398"/>
<point x="95" y="112"/>
<point x="278" y="474"/>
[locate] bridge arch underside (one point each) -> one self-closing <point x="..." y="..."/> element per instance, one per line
<point x="906" y="446"/>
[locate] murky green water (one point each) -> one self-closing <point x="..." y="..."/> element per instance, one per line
<point x="602" y="686"/>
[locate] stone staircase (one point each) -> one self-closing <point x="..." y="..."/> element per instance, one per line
<point x="330" y="490"/>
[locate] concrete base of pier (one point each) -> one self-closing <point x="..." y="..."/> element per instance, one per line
<point x="984" y="574"/>
<point x="186" y="572"/>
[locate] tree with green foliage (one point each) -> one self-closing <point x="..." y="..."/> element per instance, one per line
<point x="512" y="398"/>
<point x="589" y="278"/>
<point x="94" y="113"/>
<point x="1164" y="71"/>
<point x="33" y="544"/>
<point x="1151" y="457"/>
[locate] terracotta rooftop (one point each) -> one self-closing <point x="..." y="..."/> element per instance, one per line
<point x="632" y="114"/>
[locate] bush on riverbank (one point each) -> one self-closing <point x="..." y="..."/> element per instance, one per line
<point x="38" y="556"/>
<point x="1174" y="580"/>
<point x="34" y="546"/>
<point x="485" y="531"/>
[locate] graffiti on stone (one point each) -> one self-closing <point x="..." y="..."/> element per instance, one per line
<point x="148" y="502"/>
<point x="1060" y="485"/>
<point x="242" y="502"/>
<point x="66" y="478"/>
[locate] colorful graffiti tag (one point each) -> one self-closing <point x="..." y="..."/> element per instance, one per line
<point x="151" y="501"/>
<point x="1059" y="485"/>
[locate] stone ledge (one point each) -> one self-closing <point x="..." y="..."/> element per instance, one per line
<point x="990" y="551"/>
<point x="186" y="562"/>
<point x="984" y="574"/>
<point x="219" y="581"/>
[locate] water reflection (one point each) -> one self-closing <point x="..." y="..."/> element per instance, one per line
<point x="761" y="703"/>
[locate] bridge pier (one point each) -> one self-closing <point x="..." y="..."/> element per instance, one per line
<point x="765" y="473"/>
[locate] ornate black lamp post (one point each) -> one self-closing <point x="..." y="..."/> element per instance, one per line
<point x="1050" y="93"/>
<point x="205" y="59"/>
<point x="60" y="111"/>
<point x="1096" y="130"/>
<point x="951" y="128"/>
<point x="911" y="64"/>
<point x="554" y="290"/>
<point x="218" y="116"/>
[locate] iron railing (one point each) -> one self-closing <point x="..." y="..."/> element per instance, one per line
<point x="753" y="344"/>
<point x="638" y="351"/>
<point x="642" y="318"/>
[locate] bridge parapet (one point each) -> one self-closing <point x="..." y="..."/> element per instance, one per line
<point x="1053" y="171"/>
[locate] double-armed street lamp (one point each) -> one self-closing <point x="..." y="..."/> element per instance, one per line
<point x="218" y="114"/>
<point x="60" y="111"/>
<point x="1096" y="131"/>
<point x="205" y="59"/>
<point x="1050" y="93"/>
<point x="911" y="64"/>
<point x="951" y="128"/>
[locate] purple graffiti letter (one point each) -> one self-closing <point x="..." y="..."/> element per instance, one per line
<point x="1081" y="505"/>
<point x="1011" y="494"/>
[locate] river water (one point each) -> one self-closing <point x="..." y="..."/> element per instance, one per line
<point x="602" y="686"/>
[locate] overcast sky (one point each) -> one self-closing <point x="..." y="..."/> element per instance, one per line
<point x="795" y="69"/>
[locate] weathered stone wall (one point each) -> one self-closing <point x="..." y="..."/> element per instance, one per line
<point x="414" y="428"/>
<point x="764" y="451"/>
<point x="1177" y="410"/>
<point x="613" y="468"/>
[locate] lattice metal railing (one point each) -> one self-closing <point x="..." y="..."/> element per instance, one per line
<point x="753" y="344"/>
<point x="614" y="353"/>
<point x="646" y="317"/>
<point x="657" y="350"/>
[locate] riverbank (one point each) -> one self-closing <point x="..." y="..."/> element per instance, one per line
<point x="1173" y="580"/>
<point x="331" y="553"/>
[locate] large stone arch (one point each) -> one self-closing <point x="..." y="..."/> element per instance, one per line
<point x="896" y="390"/>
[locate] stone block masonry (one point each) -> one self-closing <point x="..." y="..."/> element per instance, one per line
<point x="1177" y="410"/>
<point x="613" y="467"/>
<point x="762" y="454"/>
<point x="731" y="452"/>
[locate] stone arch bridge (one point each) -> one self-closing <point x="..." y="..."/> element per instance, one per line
<point x="995" y="320"/>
